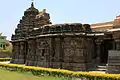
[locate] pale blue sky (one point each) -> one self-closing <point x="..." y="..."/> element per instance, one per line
<point x="61" y="11"/>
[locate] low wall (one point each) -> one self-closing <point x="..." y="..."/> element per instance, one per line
<point x="113" y="62"/>
<point x="4" y="54"/>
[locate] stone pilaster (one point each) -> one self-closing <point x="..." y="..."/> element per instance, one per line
<point x="98" y="51"/>
<point x="117" y="44"/>
<point x="114" y="45"/>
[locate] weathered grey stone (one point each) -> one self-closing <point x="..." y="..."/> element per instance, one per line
<point x="113" y="62"/>
<point x="37" y="42"/>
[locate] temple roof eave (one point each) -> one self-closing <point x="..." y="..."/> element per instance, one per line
<point x="63" y="35"/>
<point x="113" y="30"/>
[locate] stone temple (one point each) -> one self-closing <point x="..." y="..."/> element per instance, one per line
<point x="72" y="46"/>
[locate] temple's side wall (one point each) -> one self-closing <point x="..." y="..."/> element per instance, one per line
<point x="19" y="52"/>
<point x="38" y="52"/>
<point x="15" y="52"/>
<point x="68" y="52"/>
<point x="37" y="42"/>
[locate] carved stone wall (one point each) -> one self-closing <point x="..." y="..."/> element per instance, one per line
<point x="55" y="53"/>
<point x="73" y="53"/>
<point x="43" y="51"/>
<point x="70" y="53"/>
<point x="65" y="46"/>
<point x="15" y="52"/>
<point x="30" y="57"/>
<point x="19" y="51"/>
<point x="38" y="52"/>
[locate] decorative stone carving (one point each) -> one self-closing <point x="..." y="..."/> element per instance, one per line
<point x="37" y="42"/>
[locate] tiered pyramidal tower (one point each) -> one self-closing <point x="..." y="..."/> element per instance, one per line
<point x="32" y="19"/>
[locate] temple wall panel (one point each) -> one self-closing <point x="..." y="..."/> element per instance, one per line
<point x="40" y="52"/>
<point x="31" y="53"/>
<point x="19" y="53"/>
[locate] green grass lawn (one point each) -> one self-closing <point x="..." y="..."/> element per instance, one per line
<point x="8" y="75"/>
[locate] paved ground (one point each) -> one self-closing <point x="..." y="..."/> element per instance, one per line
<point x="6" y="62"/>
<point x="98" y="72"/>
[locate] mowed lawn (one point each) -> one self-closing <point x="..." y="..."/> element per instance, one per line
<point x="8" y="75"/>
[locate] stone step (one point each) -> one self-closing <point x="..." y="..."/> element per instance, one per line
<point x="102" y="67"/>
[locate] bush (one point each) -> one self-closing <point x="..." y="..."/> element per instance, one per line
<point x="5" y="59"/>
<point x="59" y="72"/>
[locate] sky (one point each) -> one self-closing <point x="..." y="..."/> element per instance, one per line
<point x="61" y="11"/>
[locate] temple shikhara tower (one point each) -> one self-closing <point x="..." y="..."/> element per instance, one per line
<point x="72" y="46"/>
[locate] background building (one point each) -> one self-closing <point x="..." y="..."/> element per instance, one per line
<point x="3" y="42"/>
<point x="106" y="26"/>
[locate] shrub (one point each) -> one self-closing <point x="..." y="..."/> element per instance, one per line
<point x="59" y="72"/>
<point x="5" y="59"/>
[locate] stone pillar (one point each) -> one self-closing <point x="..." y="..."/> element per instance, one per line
<point x="98" y="51"/>
<point x="117" y="44"/>
<point x="114" y="45"/>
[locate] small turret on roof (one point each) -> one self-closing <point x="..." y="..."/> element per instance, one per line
<point x="32" y="9"/>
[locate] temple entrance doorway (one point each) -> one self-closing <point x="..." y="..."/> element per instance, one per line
<point x="105" y="46"/>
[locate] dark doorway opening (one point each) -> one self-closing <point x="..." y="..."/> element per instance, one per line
<point x="105" y="47"/>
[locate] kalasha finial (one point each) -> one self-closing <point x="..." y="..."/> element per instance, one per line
<point x="32" y="5"/>
<point x="44" y="10"/>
